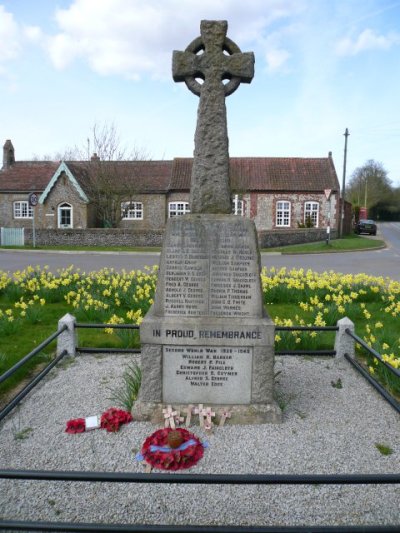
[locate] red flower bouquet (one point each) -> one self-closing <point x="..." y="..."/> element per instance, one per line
<point x="76" y="426"/>
<point x="157" y="452"/>
<point x="113" y="418"/>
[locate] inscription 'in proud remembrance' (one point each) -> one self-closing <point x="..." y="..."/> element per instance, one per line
<point x="219" y="280"/>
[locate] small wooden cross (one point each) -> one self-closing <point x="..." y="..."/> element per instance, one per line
<point x="199" y="411"/>
<point x="178" y="418"/>
<point x="208" y="413"/>
<point x="188" y="410"/>
<point x="224" y="414"/>
<point x="169" y="415"/>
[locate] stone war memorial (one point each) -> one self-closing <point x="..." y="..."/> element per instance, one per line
<point x="207" y="338"/>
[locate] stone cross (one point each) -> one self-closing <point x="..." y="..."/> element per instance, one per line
<point x="213" y="58"/>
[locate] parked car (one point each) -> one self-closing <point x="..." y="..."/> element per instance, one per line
<point x="365" y="226"/>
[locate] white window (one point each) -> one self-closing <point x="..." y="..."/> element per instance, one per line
<point x="64" y="215"/>
<point x="23" y="210"/>
<point x="237" y="206"/>
<point x="132" y="210"/>
<point x="283" y="214"/>
<point x="311" y="210"/>
<point x="176" y="209"/>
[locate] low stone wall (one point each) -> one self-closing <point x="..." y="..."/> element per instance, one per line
<point x="94" y="237"/>
<point x="127" y="237"/>
<point x="270" y="239"/>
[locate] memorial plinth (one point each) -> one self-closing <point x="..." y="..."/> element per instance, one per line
<point x="206" y="338"/>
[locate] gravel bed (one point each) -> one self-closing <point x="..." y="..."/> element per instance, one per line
<point x="325" y="430"/>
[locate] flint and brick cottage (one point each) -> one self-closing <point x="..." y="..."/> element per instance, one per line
<point x="279" y="194"/>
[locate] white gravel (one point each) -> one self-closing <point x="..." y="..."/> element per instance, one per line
<point x="325" y="430"/>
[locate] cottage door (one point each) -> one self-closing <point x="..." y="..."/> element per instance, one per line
<point x="65" y="216"/>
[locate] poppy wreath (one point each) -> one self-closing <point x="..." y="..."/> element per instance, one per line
<point x="113" y="418"/>
<point x="76" y="426"/>
<point x="110" y="420"/>
<point x="157" y="452"/>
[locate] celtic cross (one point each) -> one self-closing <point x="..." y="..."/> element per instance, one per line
<point x="213" y="58"/>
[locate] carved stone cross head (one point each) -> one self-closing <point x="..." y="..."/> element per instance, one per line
<point x="213" y="57"/>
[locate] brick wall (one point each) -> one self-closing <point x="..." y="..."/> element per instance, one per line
<point x="94" y="237"/>
<point x="282" y="237"/>
<point x="127" y="237"/>
<point x="6" y="210"/>
<point x="263" y="209"/>
<point x="63" y="192"/>
<point x="154" y="213"/>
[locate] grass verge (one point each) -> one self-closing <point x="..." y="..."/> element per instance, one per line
<point x="346" y="244"/>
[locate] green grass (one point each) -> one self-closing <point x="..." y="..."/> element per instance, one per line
<point x="384" y="449"/>
<point x="286" y="296"/>
<point x="346" y="244"/>
<point x="87" y="248"/>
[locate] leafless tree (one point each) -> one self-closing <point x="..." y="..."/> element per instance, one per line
<point x="111" y="177"/>
<point x="107" y="170"/>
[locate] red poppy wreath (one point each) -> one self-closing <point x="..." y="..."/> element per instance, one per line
<point x="170" y="449"/>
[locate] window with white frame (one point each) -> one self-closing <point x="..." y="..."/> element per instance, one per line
<point x="283" y="214"/>
<point x="311" y="211"/>
<point x="132" y="210"/>
<point x="175" y="209"/>
<point x="237" y="206"/>
<point x="64" y="212"/>
<point x="23" y="210"/>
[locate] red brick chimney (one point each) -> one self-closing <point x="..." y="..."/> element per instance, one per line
<point x="8" y="154"/>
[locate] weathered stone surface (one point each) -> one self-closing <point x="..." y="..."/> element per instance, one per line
<point x="210" y="188"/>
<point x="344" y="344"/>
<point x="207" y="374"/>
<point x="207" y="338"/>
<point x="151" y="366"/>
<point x="210" y="266"/>
<point x="67" y="339"/>
<point x="208" y="317"/>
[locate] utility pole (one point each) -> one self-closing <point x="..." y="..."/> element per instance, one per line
<point x="341" y="210"/>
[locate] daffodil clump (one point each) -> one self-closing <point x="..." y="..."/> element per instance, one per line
<point x="293" y="297"/>
<point x="314" y="299"/>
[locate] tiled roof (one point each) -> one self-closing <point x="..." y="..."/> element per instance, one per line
<point x="267" y="173"/>
<point x="146" y="176"/>
<point x="27" y="176"/>
<point x="247" y="174"/>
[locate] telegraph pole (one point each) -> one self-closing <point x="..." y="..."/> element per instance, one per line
<point x="341" y="220"/>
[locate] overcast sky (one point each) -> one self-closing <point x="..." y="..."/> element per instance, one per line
<point x="321" y="66"/>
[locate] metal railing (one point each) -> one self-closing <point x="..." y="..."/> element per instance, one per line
<point x="207" y="479"/>
<point x="15" y="401"/>
<point x="82" y="349"/>
<point x="203" y="479"/>
<point x="329" y="353"/>
<point x="382" y="391"/>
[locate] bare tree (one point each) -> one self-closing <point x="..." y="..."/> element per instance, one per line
<point x="109" y="176"/>
<point x="112" y="173"/>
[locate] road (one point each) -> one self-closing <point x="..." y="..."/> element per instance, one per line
<point x="385" y="262"/>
